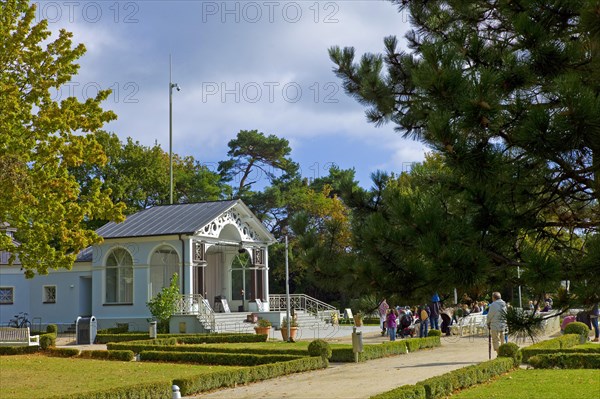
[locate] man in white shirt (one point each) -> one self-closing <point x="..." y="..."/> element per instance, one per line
<point x="496" y="319"/>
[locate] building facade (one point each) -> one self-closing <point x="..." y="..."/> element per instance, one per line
<point x="218" y="249"/>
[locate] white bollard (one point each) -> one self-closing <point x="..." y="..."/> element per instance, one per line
<point x="176" y="394"/>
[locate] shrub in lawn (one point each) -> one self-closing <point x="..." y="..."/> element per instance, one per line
<point x="404" y="392"/>
<point x="434" y="333"/>
<point x="578" y="328"/>
<point x="47" y="341"/>
<point x="566" y="361"/>
<point x="122" y="355"/>
<point x="62" y="352"/>
<point x="104" y="338"/>
<point x="511" y="350"/>
<point x="318" y="347"/>
<point x="563" y="342"/>
<point x="52" y="328"/>
<point x="18" y="350"/>
<point x="223" y="359"/>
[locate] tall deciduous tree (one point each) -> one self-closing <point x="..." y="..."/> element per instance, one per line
<point x="138" y="175"/>
<point x="509" y="93"/>
<point x="40" y="139"/>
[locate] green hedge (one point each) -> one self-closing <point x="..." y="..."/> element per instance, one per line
<point x="566" y="361"/>
<point x="140" y="346"/>
<point x="222" y="379"/>
<point x="511" y="350"/>
<point x="182" y="338"/>
<point x="319" y="347"/>
<point x="48" y="340"/>
<point x="578" y="328"/>
<point x="404" y="392"/>
<point x="563" y="342"/>
<point x="62" y="352"/>
<point x="106" y="338"/>
<point x="121" y="355"/>
<point x="18" y="350"/>
<point x="221" y="359"/>
<point x="221" y="338"/>
<point x="345" y="353"/>
<point x="444" y="385"/>
<point x="154" y="390"/>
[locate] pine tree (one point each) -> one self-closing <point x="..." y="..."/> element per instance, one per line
<point x="508" y="92"/>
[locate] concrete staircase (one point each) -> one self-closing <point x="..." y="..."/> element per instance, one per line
<point x="309" y="325"/>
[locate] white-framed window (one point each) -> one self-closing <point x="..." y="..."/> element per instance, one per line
<point x="7" y="295"/>
<point x="119" y="277"/>
<point x="163" y="264"/>
<point x="49" y="294"/>
<point x="241" y="277"/>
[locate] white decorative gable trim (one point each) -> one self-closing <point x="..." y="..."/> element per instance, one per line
<point x="213" y="229"/>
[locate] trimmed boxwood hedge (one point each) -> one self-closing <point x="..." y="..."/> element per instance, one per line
<point x="578" y="328"/>
<point x="182" y="338"/>
<point x="345" y="354"/>
<point x="319" y="347"/>
<point x="404" y="392"/>
<point x="151" y="390"/>
<point x="340" y="352"/>
<point x="511" y="350"/>
<point x="222" y="379"/>
<point x="139" y="346"/>
<point x="444" y="385"/>
<point x="48" y="340"/>
<point x="62" y="352"/>
<point x="221" y="338"/>
<point x="18" y="350"/>
<point x="122" y="355"/>
<point x="563" y="342"/>
<point x="566" y="361"/>
<point x="221" y="359"/>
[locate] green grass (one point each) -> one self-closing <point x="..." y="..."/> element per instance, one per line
<point x="538" y="384"/>
<point x="39" y="376"/>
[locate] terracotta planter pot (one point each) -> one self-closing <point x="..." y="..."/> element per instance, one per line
<point x="263" y="330"/>
<point x="292" y="333"/>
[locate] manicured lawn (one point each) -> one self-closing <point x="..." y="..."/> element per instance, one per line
<point x="38" y="376"/>
<point x="538" y="384"/>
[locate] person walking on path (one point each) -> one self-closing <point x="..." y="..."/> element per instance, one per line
<point x="424" y="314"/>
<point x="496" y="320"/>
<point x="594" y="319"/>
<point x="392" y="318"/>
<point x="434" y="317"/>
<point x="383" y="309"/>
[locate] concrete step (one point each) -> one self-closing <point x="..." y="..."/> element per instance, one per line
<point x="236" y="322"/>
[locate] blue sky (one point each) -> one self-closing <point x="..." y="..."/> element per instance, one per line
<point x="241" y="65"/>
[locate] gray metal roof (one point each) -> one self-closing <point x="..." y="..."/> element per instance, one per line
<point x="166" y="220"/>
<point x="85" y="255"/>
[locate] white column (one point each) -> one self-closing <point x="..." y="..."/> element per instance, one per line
<point x="266" y="277"/>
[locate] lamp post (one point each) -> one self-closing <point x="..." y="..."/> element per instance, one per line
<point x="519" y="277"/>
<point x="287" y="290"/>
<point x="171" y="87"/>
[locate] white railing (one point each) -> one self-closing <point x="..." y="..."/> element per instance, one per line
<point x="278" y="302"/>
<point x="195" y="304"/>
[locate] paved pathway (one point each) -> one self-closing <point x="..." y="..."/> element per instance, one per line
<point x="362" y="380"/>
